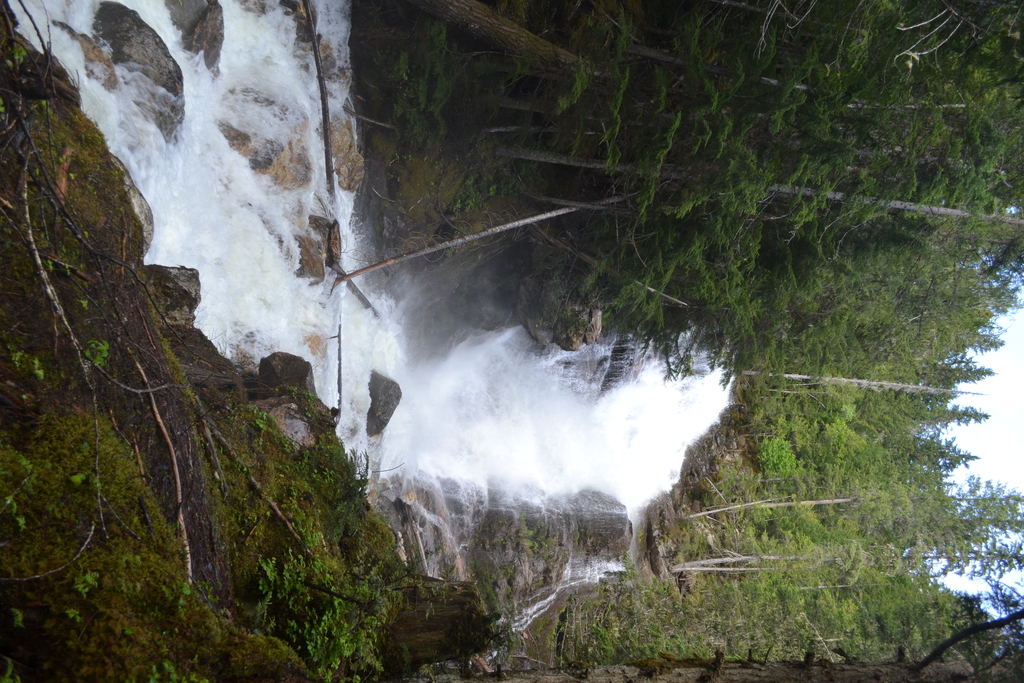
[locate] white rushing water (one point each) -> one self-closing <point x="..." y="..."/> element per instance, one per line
<point x="498" y="410"/>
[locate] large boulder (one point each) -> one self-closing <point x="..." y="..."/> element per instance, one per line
<point x="136" y="47"/>
<point x="287" y="370"/>
<point x="185" y="14"/>
<point x="385" y="395"/>
<point x="176" y="292"/>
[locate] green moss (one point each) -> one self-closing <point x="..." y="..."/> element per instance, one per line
<point x="125" y="602"/>
<point x="281" y="589"/>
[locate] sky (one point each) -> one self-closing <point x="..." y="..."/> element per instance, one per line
<point x="996" y="441"/>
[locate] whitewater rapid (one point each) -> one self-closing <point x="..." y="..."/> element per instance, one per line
<point x="498" y="411"/>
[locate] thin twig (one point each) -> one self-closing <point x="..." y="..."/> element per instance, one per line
<point x="351" y="112"/>
<point x="256" y="485"/>
<point x="174" y="468"/>
<point x="118" y="518"/>
<point x="64" y="566"/>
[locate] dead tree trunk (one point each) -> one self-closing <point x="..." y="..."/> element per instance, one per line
<point x="870" y="384"/>
<point x="465" y="240"/>
<point x="439" y="620"/>
<point x="770" y="503"/>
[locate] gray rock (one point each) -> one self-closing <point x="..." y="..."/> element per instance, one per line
<point x="286" y="370"/>
<point x="287" y="164"/>
<point x="185" y="14"/>
<point x="290" y="420"/>
<point x="385" y="395"/>
<point x="176" y="292"/>
<point x="135" y="46"/>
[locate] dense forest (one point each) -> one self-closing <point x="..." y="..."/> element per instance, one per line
<point x="820" y="198"/>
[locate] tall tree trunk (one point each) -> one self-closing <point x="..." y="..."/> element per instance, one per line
<point x="897" y="205"/>
<point x="870" y="384"/>
<point x="487" y="25"/>
<point x="770" y="503"/>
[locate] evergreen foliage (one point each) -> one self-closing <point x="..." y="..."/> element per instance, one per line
<point x="774" y="162"/>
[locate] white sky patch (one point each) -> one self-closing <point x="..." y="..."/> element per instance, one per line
<point x="997" y="440"/>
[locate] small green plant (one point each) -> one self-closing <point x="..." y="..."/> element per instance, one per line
<point x="28" y="363"/>
<point x="168" y="673"/>
<point x="97" y="351"/>
<point x="777" y="457"/>
<point x="8" y="675"/>
<point x="86" y="582"/>
<point x="18" y="55"/>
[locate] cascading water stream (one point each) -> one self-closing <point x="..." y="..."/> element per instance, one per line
<point x="499" y="417"/>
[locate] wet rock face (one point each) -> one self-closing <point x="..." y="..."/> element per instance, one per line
<point x="137" y="48"/>
<point x="286" y="370"/>
<point x="385" y="395"/>
<point x="98" y="64"/>
<point x="286" y="163"/>
<point x="176" y="292"/>
<point x="329" y="234"/>
<point x="348" y="163"/>
<point x="141" y="206"/>
<point x="530" y="554"/>
<point x="311" y="262"/>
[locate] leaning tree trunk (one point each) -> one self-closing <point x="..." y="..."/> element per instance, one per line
<point x="692" y="671"/>
<point x="439" y="621"/>
<point x="489" y="26"/>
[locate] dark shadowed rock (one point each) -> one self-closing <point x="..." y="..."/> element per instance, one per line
<point x="185" y="14"/>
<point x="137" y="47"/>
<point x="385" y="394"/>
<point x="175" y="291"/>
<point x="551" y="313"/>
<point x="286" y="370"/>
<point x="207" y="35"/>
<point x="139" y="203"/>
<point x="439" y="620"/>
<point x="330" y="236"/>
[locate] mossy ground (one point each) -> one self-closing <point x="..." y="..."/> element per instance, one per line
<point x="96" y="414"/>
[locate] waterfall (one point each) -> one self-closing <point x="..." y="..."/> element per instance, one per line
<point x="500" y="422"/>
